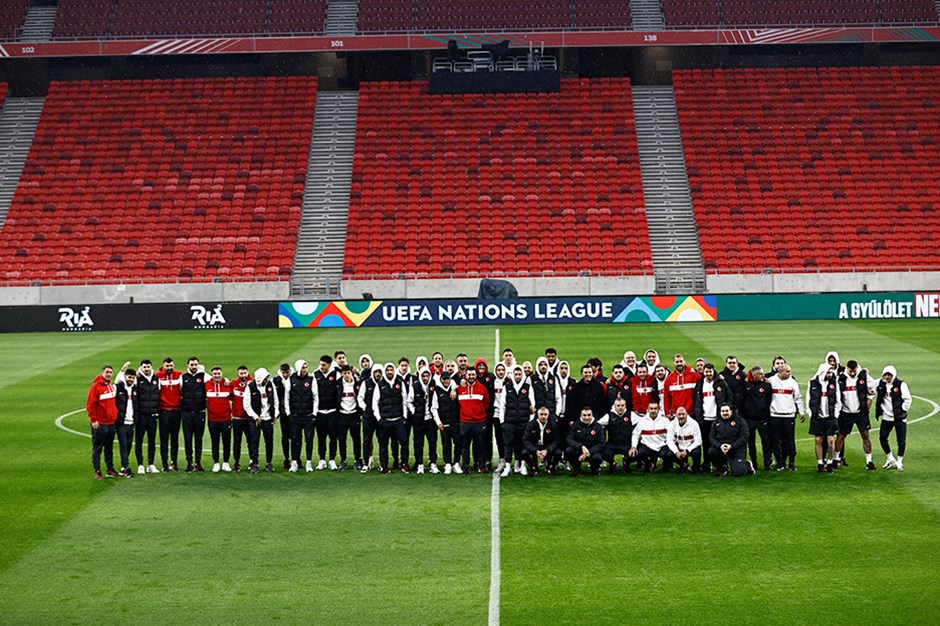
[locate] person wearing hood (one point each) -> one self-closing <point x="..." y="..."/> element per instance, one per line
<point x="651" y="358"/>
<point x="492" y="424"/>
<point x="585" y="443"/>
<point x="893" y="400"/>
<point x="545" y="387"/>
<point x="325" y="423"/>
<point x="398" y="451"/>
<point x="365" y="366"/>
<point x="515" y="411"/>
<point x="856" y="392"/>
<point x="618" y="426"/>
<point x="618" y="386"/>
<point x="281" y="382"/>
<point x="758" y="394"/>
<point x="728" y="449"/>
<point x="785" y="407"/>
<point x="101" y="406"/>
<point x="643" y="390"/>
<point x="423" y="425"/>
<point x="148" y="392"/>
<point x="680" y="387"/>
<point x="262" y="407"/>
<point x="540" y="444"/>
<point x="370" y="422"/>
<point x="219" y="413"/>
<point x="127" y="402"/>
<point x="391" y="405"/>
<point x="474" y="400"/>
<point x="734" y="376"/>
<point x="824" y="406"/>
<point x="348" y="420"/>
<point x="241" y="426"/>
<point x="422" y="362"/>
<point x="302" y="404"/>
<point x="445" y="411"/>
<point x="832" y="358"/>
<point x="629" y="364"/>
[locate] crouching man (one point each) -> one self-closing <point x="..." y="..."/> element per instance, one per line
<point x="585" y="443"/>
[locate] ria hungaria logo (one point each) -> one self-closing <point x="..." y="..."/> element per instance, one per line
<point x="73" y="320"/>
<point x="206" y="319"/>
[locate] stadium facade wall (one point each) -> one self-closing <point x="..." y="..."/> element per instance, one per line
<point x="822" y="282"/>
<point x="144" y="293"/>
<point x="405" y="289"/>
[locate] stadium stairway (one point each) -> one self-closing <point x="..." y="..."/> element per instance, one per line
<point x="647" y="15"/>
<point x="18" y="120"/>
<point x="39" y="23"/>
<point x="677" y="253"/>
<point x="341" y="17"/>
<point x="318" y="262"/>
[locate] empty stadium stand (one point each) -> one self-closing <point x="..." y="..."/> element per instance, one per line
<point x="162" y="180"/>
<point x="813" y="169"/>
<point x="82" y="18"/>
<point x="492" y="14"/>
<point x="506" y="184"/>
<point x="695" y="13"/>
<point x="12" y="14"/>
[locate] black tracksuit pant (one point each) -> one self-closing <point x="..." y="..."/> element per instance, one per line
<point x="473" y="434"/>
<point x="573" y="454"/>
<point x="450" y="440"/>
<point x="720" y="459"/>
<point x="223" y="431"/>
<point x="392" y="430"/>
<point x="613" y="449"/>
<point x="532" y="458"/>
<point x="301" y="428"/>
<point x="146" y="425"/>
<point x="695" y="454"/>
<point x="266" y="430"/>
<point x="706" y="427"/>
<point x="369" y="428"/>
<point x="326" y="434"/>
<point x="347" y="424"/>
<point x="285" y="437"/>
<point x="125" y="436"/>
<point x="646" y="455"/>
<point x="102" y="438"/>
<point x="194" y="427"/>
<point x="754" y="428"/>
<point x="513" y="441"/>
<point x="170" y="436"/>
<point x="783" y="437"/>
<point x="425" y="430"/>
<point x="241" y="427"/>
<point x="494" y="428"/>
<point x="900" y="429"/>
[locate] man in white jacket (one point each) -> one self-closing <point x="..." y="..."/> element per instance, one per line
<point x="683" y="441"/>
<point x="261" y="405"/>
<point x="893" y="400"/>
<point x="786" y="406"/>
<point x="649" y="437"/>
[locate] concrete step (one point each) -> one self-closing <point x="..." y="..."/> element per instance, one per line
<point x="38" y="24"/>
<point x="18" y="120"/>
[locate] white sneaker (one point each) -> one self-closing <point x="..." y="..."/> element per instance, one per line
<point x="369" y="465"/>
<point x="458" y="469"/>
<point x="293" y="466"/>
<point x="515" y="467"/>
<point x="152" y="469"/>
<point x="216" y="468"/>
<point x="141" y="469"/>
<point x="448" y="468"/>
<point x="501" y="465"/>
<point x="321" y="465"/>
<point x="523" y="469"/>
<point x="435" y="469"/>
<point x="889" y="463"/>
<point x="420" y="469"/>
<point x="899" y="465"/>
<point x="309" y="466"/>
<point x="332" y="464"/>
<point x="506" y="471"/>
<point x="226" y="467"/>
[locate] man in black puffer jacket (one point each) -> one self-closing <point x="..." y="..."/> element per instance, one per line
<point x="729" y="443"/>
<point x="148" y="399"/>
<point x="193" y="410"/>
<point x="758" y="394"/>
<point x="585" y="443"/>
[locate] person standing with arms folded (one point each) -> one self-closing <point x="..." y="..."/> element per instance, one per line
<point x="101" y="407"/>
<point x="891" y="406"/>
<point x="325" y="423"/>
<point x="240" y="422"/>
<point x="786" y="406"/>
<point x="281" y="384"/>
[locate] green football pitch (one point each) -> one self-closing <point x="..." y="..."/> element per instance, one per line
<point x="343" y="548"/>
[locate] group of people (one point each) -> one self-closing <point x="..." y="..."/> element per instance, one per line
<point x="693" y="419"/>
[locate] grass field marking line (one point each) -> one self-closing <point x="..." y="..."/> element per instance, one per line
<point x="58" y="422"/>
<point x="496" y="349"/>
<point x="495" y="573"/>
<point x="936" y="409"/>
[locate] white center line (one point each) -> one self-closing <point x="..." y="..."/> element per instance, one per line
<point x="494" y="553"/>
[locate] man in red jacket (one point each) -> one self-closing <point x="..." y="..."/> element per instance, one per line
<point x="474" y="401"/>
<point x="102" y="413"/>
<point x="679" y="387"/>
<point x="170" y="382"/>
<point x="219" y="409"/>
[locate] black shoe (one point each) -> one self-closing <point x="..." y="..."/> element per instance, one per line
<point x="791" y="467"/>
<point x="683" y="468"/>
<point x="833" y="466"/>
<point x="174" y="467"/>
<point x="357" y="465"/>
<point x="287" y="463"/>
<point x="595" y="471"/>
<point x="98" y="476"/>
<point x="344" y="465"/>
<point x="666" y="469"/>
<point x="781" y="468"/>
<point x="830" y="467"/>
<point x="648" y="468"/>
<point x="166" y="468"/>
<point x="268" y="467"/>
<point x="253" y="468"/>
<point x="821" y="468"/>
<point x="870" y="467"/>
<point x="611" y="468"/>
<point x="189" y="468"/>
<point x="396" y="466"/>
<point x="405" y="469"/>
<point x="550" y="470"/>
<point x="843" y="462"/>
<point x="767" y="466"/>
<point x="238" y="467"/>
<point x="575" y="473"/>
<point x="384" y="470"/>
<point x="200" y="468"/>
